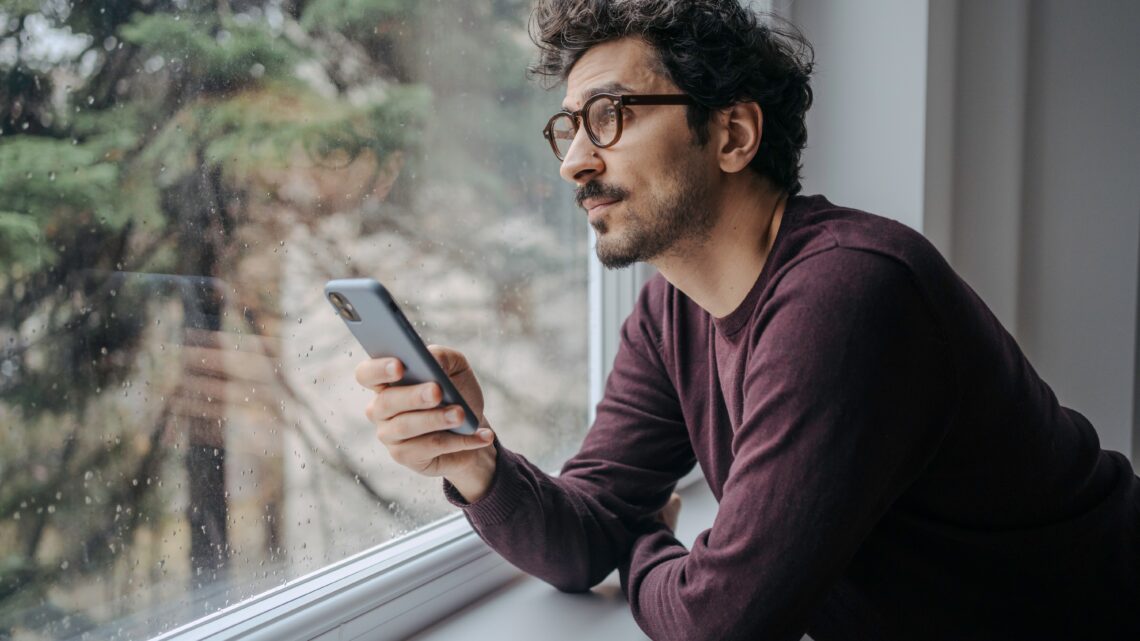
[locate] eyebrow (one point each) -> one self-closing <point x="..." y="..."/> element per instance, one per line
<point x="609" y="87"/>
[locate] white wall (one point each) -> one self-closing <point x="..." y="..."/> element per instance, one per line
<point x="866" y="129"/>
<point x="1047" y="201"/>
<point x="989" y="151"/>
<point x="1081" y="208"/>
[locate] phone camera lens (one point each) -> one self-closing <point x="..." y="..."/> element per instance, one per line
<point x="343" y="307"/>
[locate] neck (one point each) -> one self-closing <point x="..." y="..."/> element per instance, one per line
<point x="719" y="271"/>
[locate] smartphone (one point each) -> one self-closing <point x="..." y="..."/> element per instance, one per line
<point x="382" y="329"/>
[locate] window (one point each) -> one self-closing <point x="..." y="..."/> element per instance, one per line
<point x="177" y="181"/>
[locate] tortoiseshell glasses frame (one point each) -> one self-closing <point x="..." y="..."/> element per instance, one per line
<point x="602" y="118"/>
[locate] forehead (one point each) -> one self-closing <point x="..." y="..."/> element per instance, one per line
<point x="627" y="65"/>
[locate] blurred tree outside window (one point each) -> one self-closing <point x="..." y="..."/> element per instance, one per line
<point x="179" y="426"/>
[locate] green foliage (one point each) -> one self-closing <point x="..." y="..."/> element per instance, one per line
<point x="270" y="128"/>
<point x="17" y="8"/>
<point x="22" y="244"/>
<point x="111" y="132"/>
<point x="219" y="53"/>
<point x="358" y="17"/>
<point x="46" y="177"/>
<point x="44" y="184"/>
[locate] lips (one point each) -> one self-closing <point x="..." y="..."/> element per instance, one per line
<point x="593" y="205"/>
<point x="596" y="196"/>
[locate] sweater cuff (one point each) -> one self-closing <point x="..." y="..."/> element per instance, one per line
<point x="502" y="497"/>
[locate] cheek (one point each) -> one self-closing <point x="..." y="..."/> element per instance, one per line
<point x="655" y="174"/>
<point x="637" y="166"/>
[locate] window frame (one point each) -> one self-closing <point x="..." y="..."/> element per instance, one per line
<point x="387" y="592"/>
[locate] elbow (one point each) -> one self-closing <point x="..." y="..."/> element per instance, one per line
<point x="571" y="586"/>
<point x="576" y="581"/>
<point x="576" y="578"/>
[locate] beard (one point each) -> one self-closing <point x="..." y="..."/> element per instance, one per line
<point x="675" y="219"/>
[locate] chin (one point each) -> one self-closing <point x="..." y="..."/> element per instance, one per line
<point x="616" y="262"/>
<point x="612" y="255"/>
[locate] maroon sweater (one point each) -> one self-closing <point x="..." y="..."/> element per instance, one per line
<point x="887" y="463"/>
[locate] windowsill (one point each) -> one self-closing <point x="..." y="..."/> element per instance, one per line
<point x="528" y="608"/>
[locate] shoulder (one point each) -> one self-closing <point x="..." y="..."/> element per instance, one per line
<point x="843" y="255"/>
<point x="843" y="313"/>
<point x="841" y="271"/>
<point x="819" y="225"/>
<point x="843" y="284"/>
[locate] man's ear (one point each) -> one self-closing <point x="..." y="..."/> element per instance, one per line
<point x="741" y="127"/>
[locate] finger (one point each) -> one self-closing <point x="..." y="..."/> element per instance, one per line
<point x="410" y="425"/>
<point x="376" y="372"/>
<point x="420" y="451"/>
<point x="481" y="438"/>
<point x="452" y="361"/>
<point x="393" y="401"/>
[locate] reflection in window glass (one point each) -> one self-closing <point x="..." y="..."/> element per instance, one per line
<point x="181" y="429"/>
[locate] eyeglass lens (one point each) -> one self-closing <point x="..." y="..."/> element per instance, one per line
<point x="602" y="120"/>
<point x="601" y="116"/>
<point x="562" y="130"/>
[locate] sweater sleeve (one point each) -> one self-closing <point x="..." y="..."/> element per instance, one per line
<point x="574" y="529"/>
<point x="843" y="393"/>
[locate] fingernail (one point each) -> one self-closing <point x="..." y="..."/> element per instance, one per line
<point x="427" y="393"/>
<point x="485" y="434"/>
<point x="391" y="369"/>
<point x="452" y="417"/>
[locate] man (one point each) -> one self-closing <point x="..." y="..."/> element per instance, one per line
<point x="887" y="463"/>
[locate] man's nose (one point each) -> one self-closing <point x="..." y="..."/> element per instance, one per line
<point x="582" y="162"/>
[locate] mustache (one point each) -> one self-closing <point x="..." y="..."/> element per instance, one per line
<point x="595" y="189"/>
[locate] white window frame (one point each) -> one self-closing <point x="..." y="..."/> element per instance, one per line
<point x="398" y="588"/>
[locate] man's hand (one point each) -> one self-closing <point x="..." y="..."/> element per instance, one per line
<point x="668" y="514"/>
<point x="414" y="428"/>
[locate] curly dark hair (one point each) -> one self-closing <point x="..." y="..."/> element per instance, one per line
<point x="717" y="51"/>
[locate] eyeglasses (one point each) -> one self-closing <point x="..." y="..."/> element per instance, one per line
<point x="602" y="118"/>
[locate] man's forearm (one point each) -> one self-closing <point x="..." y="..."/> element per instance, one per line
<point x="556" y="529"/>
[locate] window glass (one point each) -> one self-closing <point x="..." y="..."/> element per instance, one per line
<point x="178" y="179"/>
